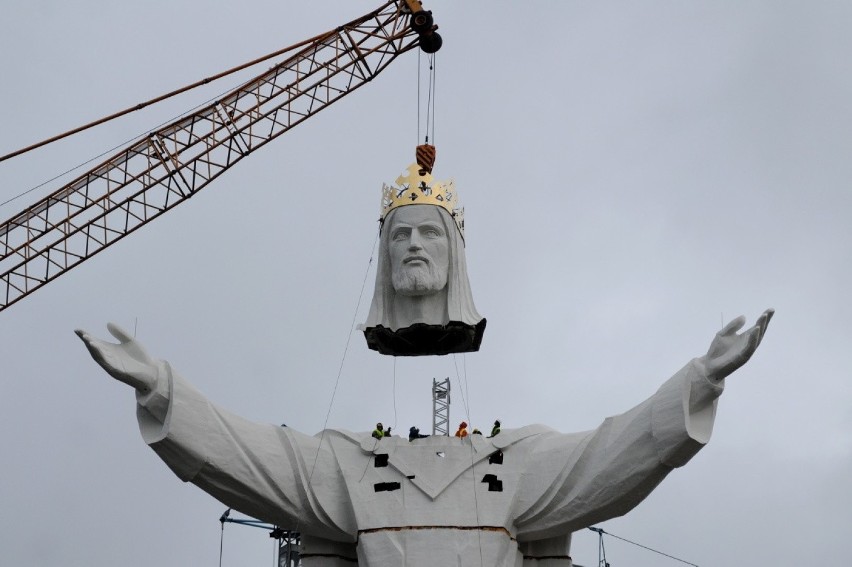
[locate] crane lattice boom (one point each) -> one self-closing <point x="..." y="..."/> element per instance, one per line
<point x="153" y="175"/>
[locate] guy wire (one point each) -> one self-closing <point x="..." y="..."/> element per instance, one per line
<point x="343" y="359"/>
<point x="601" y="532"/>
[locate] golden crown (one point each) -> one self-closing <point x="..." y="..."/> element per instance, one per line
<point x="416" y="187"/>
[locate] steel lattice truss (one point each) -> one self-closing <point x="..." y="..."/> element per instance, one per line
<point x="440" y="406"/>
<point x="153" y="175"/>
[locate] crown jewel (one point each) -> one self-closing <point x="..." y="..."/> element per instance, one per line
<point x="416" y="187"/>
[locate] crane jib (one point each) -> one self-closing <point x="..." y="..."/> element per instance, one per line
<point x="163" y="169"/>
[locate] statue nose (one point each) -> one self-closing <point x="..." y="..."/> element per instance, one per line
<point x="414" y="242"/>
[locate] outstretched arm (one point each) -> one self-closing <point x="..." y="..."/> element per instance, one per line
<point x="260" y="469"/>
<point x="126" y="361"/>
<point x="606" y="472"/>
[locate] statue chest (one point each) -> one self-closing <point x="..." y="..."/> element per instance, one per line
<point x="431" y="482"/>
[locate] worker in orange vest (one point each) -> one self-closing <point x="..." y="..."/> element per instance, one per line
<point x="462" y="432"/>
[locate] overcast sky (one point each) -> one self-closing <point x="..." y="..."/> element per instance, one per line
<point x="634" y="174"/>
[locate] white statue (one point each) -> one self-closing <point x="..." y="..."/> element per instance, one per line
<point x="507" y="501"/>
<point x="422" y="303"/>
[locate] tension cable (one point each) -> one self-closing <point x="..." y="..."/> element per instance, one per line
<point x="602" y="552"/>
<point x="161" y="98"/>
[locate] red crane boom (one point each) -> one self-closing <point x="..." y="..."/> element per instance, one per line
<point x="166" y="167"/>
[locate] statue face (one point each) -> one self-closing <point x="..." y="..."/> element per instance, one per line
<point x="419" y="250"/>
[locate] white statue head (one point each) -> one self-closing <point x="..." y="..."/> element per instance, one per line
<point x="422" y="303"/>
<point x="418" y="250"/>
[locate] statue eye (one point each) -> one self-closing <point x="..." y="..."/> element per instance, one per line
<point x="432" y="232"/>
<point x="398" y="235"/>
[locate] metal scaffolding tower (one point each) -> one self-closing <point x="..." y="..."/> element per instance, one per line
<point x="289" y="541"/>
<point x="288" y="547"/>
<point x="440" y="406"/>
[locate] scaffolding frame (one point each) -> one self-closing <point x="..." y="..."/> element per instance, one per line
<point x="441" y="406"/>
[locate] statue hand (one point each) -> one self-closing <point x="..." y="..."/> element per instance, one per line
<point x="126" y="361"/>
<point x="730" y="350"/>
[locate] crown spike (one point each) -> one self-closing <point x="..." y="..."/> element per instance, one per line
<point x="416" y="187"/>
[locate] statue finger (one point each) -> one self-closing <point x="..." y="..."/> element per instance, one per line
<point x="754" y="340"/>
<point x="84" y="336"/>
<point x="765" y="317"/>
<point x="119" y="333"/>
<point x="732" y="327"/>
<point x="92" y="344"/>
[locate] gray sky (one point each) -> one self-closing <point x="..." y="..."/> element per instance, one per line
<point x="633" y="173"/>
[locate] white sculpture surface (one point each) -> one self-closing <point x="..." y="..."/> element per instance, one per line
<point x="422" y="302"/>
<point x="421" y="275"/>
<point x="438" y="500"/>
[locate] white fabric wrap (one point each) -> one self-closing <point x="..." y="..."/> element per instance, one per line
<point x="443" y="512"/>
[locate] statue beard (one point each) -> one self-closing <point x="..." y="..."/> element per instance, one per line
<point x="412" y="281"/>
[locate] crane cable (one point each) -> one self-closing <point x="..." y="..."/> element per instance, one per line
<point x="429" y="123"/>
<point x="161" y="98"/>
<point x="340" y="367"/>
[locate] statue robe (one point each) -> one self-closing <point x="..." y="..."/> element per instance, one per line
<point x="438" y="500"/>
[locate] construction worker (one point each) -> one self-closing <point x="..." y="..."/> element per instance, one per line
<point x="462" y="432"/>
<point x="414" y="433"/>
<point x="380" y="432"/>
<point x="496" y="429"/>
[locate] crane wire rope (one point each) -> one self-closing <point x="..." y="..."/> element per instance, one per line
<point x="429" y="123"/>
<point x="168" y="95"/>
<point x="419" y="72"/>
<point x="601" y="533"/>
<point x="430" y="105"/>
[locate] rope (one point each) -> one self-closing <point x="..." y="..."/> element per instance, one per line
<point x="394" y="393"/>
<point x="475" y="499"/>
<point x="465" y="396"/>
<point x="462" y="390"/>
<point x="601" y="532"/>
<point x="342" y="360"/>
